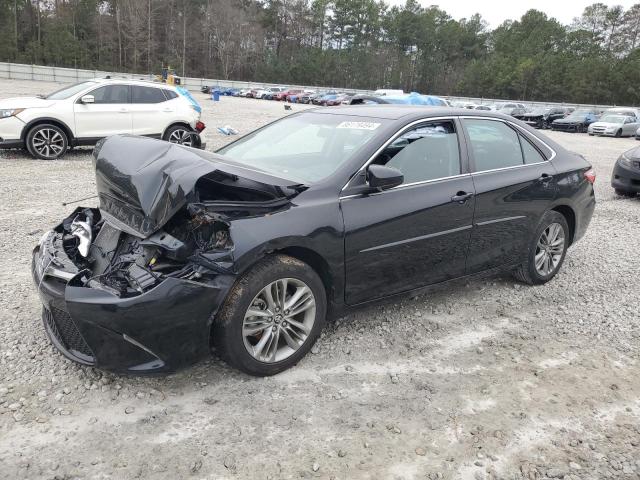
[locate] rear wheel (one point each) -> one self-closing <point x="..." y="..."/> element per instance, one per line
<point x="547" y="250"/>
<point x="180" y="135"/>
<point x="47" y="141"/>
<point x="271" y="317"/>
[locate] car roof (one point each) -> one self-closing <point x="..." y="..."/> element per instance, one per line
<point x="397" y="112"/>
<point x="145" y="83"/>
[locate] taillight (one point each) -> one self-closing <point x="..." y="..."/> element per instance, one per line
<point x="590" y="175"/>
<point x="199" y="126"/>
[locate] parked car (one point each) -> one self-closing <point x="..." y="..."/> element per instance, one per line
<point x="625" y="178"/>
<point x="247" y="92"/>
<point x="612" y="125"/>
<point x="629" y="112"/>
<point x="306" y="96"/>
<point x="270" y="234"/>
<point x="577" y="121"/>
<point x="83" y="113"/>
<point x="483" y="107"/>
<point x="230" y="92"/>
<point x="285" y="94"/>
<point x="322" y="100"/>
<point x="511" y="108"/>
<point x="269" y="91"/>
<point x="542" y="117"/>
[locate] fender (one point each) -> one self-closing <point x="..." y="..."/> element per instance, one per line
<point x="35" y="121"/>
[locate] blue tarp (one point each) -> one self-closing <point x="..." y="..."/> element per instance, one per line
<point x="185" y="93"/>
<point x="414" y="98"/>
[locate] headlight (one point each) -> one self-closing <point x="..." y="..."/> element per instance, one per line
<point x="624" y="160"/>
<point x="11" y="112"/>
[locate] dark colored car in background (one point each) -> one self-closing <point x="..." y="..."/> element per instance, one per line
<point x="339" y="99"/>
<point x="625" y="178"/>
<point x="543" y="117"/>
<point x="323" y="99"/>
<point x="250" y="248"/>
<point x="577" y="121"/>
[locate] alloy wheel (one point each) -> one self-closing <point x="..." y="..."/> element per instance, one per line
<point x="279" y="320"/>
<point x="181" y="137"/>
<point x="549" y="249"/>
<point x="48" y="143"/>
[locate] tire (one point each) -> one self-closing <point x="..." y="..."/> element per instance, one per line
<point x="625" y="193"/>
<point x="47" y="141"/>
<point x="180" y="135"/>
<point x="579" y="128"/>
<point x="528" y="272"/>
<point x="239" y="349"/>
<point x="618" y="133"/>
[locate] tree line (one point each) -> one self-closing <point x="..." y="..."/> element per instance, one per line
<point x="363" y="44"/>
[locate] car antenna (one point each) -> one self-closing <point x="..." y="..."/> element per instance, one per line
<point x="64" y="204"/>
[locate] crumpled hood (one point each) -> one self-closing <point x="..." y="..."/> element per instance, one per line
<point x="143" y="182"/>
<point x="25" y="102"/>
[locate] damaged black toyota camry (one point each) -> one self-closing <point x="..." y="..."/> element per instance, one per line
<point x="248" y="250"/>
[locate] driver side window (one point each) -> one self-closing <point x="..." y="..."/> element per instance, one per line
<point x="426" y="152"/>
<point x="111" y="94"/>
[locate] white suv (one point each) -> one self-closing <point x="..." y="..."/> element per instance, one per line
<point x="83" y="113"/>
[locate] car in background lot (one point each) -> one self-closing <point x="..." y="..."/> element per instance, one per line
<point x="284" y="95"/>
<point x="268" y="93"/>
<point x="511" y="108"/>
<point x="83" y="113"/>
<point x="323" y="99"/>
<point x="293" y="221"/>
<point x="625" y="178"/>
<point x="613" y="125"/>
<point x="543" y="117"/>
<point x="577" y="121"/>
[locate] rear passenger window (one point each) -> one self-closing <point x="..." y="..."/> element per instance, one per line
<point x="531" y="155"/>
<point x="146" y="95"/>
<point x="426" y="152"/>
<point x="170" y="94"/>
<point x="493" y="144"/>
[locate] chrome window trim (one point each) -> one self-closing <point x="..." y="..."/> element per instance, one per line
<point x="520" y="128"/>
<point x="452" y="118"/>
<point x="390" y="140"/>
<point x="406" y="185"/>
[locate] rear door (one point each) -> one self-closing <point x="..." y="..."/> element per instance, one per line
<point x="108" y="115"/>
<point x="151" y="110"/>
<point x="417" y="233"/>
<point x="514" y="185"/>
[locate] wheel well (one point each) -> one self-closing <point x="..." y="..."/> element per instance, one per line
<point x="175" y="124"/>
<point x="316" y="262"/>
<point x="50" y="121"/>
<point x="570" y="216"/>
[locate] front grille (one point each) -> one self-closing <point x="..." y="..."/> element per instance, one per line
<point x="598" y="129"/>
<point x="67" y="334"/>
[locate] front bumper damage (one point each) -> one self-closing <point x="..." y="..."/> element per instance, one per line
<point x="161" y="329"/>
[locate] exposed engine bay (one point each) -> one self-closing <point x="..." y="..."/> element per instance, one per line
<point x="190" y="248"/>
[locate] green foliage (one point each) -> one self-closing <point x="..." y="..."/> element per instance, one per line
<point x="340" y="43"/>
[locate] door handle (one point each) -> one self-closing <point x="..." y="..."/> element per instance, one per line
<point x="461" y="197"/>
<point x="545" y="178"/>
<point x="167" y="110"/>
<point x="123" y="110"/>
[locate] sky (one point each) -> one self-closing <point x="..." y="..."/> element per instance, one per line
<point x="495" y="12"/>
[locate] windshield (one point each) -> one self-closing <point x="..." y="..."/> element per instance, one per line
<point x="67" y="92"/>
<point x="613" y="119"/>
<point x="579" y="114"/>
<point x="307" y="147"/>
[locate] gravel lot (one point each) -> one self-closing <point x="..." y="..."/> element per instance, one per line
<point x="486" y="379"/>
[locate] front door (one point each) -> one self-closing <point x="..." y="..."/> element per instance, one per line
<point x="415" y="234"/>
<point x="108" y="115"/>
<point x="514" y="185"/>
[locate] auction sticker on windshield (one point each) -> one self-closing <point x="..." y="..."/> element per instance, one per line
<point x="359" y="125"/>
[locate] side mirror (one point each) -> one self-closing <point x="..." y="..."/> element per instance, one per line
<point x="87" y="99"/>
<point x="382" y="177"/>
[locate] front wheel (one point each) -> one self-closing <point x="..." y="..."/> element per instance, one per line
<point x="618" y="133"/>
<point x="47" y="142"/>
<point x="272" y="316"/>
<point x="547" y="250"/>
<point x="579" y="128"/>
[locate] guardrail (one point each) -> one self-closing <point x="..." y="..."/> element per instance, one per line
<point x="19" y="71"/>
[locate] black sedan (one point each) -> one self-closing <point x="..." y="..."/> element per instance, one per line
<point x="249" y="250"/>
<point x="577" y="121"/>
<point x="626" y="173"/>
<point x="543" y="117"/>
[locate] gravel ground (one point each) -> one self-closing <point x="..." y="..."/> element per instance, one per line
<point x="487" y="379"/>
